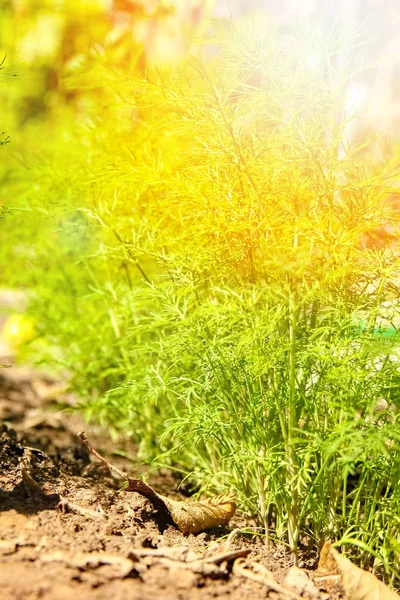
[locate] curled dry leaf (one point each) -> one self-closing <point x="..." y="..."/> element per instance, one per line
<point x="193" y="517"/>
<point x="357" y="584"/>
<point x="189" y="517"/>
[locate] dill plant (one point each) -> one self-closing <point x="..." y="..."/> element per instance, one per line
<point x="4" y="138"/>
<point x="224" y="312"/>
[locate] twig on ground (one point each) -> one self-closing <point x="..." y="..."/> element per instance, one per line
<point x="114" y="470"/>
<point x="231" y="537"/>
<point x="134" y="485"/>
<point x="50" y="498"/>
<point x="35" y="491"/>
<point x="66" y="506"/>
<point x="257" y="572"/>
<point x="122" y="566"/>
<point x="188" y="517"/>
<point x="185" y="558"/>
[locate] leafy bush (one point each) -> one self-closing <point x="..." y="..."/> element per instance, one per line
<point x="203" y="280"/>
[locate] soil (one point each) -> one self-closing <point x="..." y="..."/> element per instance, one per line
<point x="68" y="530"/>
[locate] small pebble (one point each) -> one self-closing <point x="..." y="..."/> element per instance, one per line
<point x="302" y="564"/>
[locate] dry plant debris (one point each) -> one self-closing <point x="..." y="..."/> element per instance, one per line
<point x="189" y="517"/>
<point x="118" y="551"/>
<point x="139" y="561"/>
<point x="257" y="572"/>
<point x="214" y="565"/>
<point x="219" y="561"/>
<point x="49" y="497"/>
<point x="357" y="584"/>
<point x="121" y="567"/>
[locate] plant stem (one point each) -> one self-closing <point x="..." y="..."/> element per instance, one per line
<point x="293" y="530"/>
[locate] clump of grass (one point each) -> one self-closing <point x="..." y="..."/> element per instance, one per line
<point x="222" y="310"/>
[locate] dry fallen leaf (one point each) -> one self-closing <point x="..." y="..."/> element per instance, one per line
<point x="193" y="517"/>
<point x="357" y="584"/>
<point x="189" y="517"/>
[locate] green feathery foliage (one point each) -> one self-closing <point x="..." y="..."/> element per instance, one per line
<point x="201" y="275"/>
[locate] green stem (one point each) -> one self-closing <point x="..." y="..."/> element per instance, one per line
<point x="293" y="525"/>
<point x="262" y="498"/>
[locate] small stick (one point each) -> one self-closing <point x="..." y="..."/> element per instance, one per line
<point x="37" y="493"/>
<point x="262" y="575"/>
<point x="230" y="538"/>
<point x="227" y="556"/>
<point x="187" y="517"/>
<point x="134" y="485"/>
<point x="84" y="439"/>
<point x="65" y="506"/>
<point x="216" y="560"/>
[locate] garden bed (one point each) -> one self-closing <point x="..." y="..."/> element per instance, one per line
<point x="106" y="543"/>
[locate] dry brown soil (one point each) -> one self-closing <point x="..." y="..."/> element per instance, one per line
<point x="95" y="548"/>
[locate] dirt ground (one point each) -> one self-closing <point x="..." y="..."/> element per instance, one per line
<point x="68" y="530"/>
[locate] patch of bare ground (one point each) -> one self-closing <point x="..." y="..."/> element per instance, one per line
<point x="67" y="531"/>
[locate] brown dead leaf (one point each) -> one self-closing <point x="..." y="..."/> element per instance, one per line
<point x="357" y="584"/>
<point x="327" y="564"/>
<point x="189" y="517"/>
<point x="193" y="517"/>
